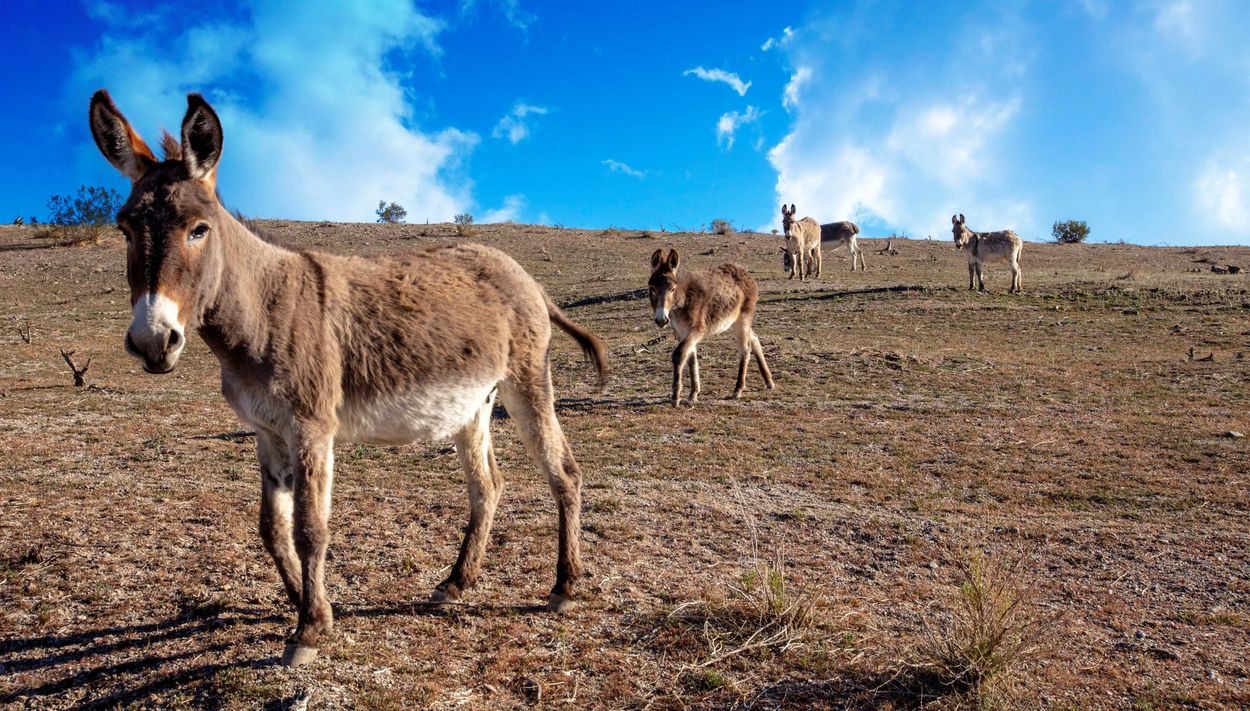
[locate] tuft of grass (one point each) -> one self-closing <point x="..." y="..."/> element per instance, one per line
<point x="980" y="640"/>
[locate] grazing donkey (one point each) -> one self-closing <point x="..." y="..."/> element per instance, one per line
<point x="981" y="246"/>
<point x="317" y="349"/>
<point x="836" y="234"/>
<point x="701" y="304"/>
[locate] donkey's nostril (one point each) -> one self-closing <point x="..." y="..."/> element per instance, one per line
<point x="174" y="339"/>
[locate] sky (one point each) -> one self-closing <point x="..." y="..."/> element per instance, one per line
<point x="1133" y="116"/>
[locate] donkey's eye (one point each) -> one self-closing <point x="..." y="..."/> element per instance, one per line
<point x="198" y="233"/>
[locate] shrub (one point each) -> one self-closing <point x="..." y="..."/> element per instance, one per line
<point x="1070" y="231"/>
<point x="463" y="218"/>
<point x="390" y="214"/>
<point x="84" y="216"/>
<point x="721" y="227"/>
<point x="988" y="632"/>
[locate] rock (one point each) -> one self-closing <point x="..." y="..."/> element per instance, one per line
<point x="1219" y="269"/>
<point x="1234" y="434"/>
<point x="1139" y="634"/>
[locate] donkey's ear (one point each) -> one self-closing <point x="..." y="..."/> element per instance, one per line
<point x="201" y="140"/>
<point x="117" y="140"/>
<point x="657" y="257"/>
<point x="962" y="220"/>
<point x="673" y="259"/>
<point x="954" y="219"/>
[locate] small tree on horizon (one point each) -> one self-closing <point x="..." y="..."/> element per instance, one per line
<point x="93" y="209"/>
<point x="393" y="213"/>
<point x="1070" y="231"/>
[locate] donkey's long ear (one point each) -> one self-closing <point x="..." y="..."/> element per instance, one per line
<point x="673" y="259"/>
<point x="117" y="140"/>
<point x="201" y="140"/>
<point x="657" y="258"/>
<point x="962" y="220"/>
<point x="954" y="219"/>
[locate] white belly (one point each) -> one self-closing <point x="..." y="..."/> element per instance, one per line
<point x="431" y="413"/>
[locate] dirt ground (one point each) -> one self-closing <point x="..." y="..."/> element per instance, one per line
<point x="1089" y="429"/>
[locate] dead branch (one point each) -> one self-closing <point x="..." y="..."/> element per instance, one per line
<point x="888" y="248"/>
<point x="79" y="373"/>
<point x="24" y="333"/>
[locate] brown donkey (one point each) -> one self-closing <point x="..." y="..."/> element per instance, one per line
<point x="317" y="349"/>
<point x="701" y="304"/>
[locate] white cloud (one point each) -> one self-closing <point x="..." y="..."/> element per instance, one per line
<point x="618" y="167"/>
<point x="720" y="75"/>
<point x="513" y="126"/>
<point x="316" y="124"/>
<point x="729" y="124"/>
<point x="772" y="42"/>
<point x="790" y="97"/>
<point x="509" y="212"/>
<point x="1223" y="194"/>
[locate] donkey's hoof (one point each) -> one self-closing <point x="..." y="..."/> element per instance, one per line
<point x="443" y="601"/>
<point x="735" y="395"/>
<point x="297" y="655"/>
<point x="560" y="604"/>
<point x="772" y="385"/>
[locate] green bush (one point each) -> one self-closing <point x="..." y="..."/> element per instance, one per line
<point x="84" y="216"/>
<point x="1070" y="231"/>
<point x="390" y="214"/>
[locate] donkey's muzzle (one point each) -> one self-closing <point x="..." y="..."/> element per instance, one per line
<point x="155" y="336"/>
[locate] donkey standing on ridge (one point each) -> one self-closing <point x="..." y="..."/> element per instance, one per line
<point x="317" y="349"/>
<point x="802" y="247"/>
<point x="981" y="246"/>
<point x="701" y="304"/>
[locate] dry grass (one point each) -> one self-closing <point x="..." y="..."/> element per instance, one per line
<point x="980" y="641"/>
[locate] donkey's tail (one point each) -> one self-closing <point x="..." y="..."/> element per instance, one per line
<point x="589" y="342"/>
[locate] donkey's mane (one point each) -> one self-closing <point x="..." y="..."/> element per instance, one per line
<point x="171" y="146"/>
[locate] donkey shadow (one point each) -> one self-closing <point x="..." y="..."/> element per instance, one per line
<point x="133" y="661"/>
<point x="62" y="663"/>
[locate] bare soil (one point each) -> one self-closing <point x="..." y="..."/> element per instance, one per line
<point x="1080" y="425"/>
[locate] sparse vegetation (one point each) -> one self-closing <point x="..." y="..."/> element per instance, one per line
<point x="1070" y="231"/>
<point x="393" y="213"/>
<point x="464" y="224"/>
<point x="721" y="227"/>
<point x="977" y="642"/>
<point x="85" y="216"/>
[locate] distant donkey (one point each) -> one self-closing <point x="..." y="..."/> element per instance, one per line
<point x="831" y="235"/>
<point x="981" y="246"/>
<point x="317" y="349"/>
<point x="701" y="304"/>
<point x="802" y="245"/>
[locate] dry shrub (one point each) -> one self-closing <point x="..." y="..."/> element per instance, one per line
<point x="980" y="641"/>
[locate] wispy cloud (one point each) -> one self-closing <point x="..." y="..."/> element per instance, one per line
<point x="790" y="96"/>
<point x="720" y="75"/>
<point x="618" y="167"/>
<point x="513" y="125"/>
<point x="512" y="11"/>
<point x="772" y="42"/>
<point x="729" y="124"/>
<point x="316" y="124"/>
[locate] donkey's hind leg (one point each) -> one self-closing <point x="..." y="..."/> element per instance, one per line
<point x="696" y="385"/>
<point x="530" y="402"/>
<point x="742" y="337"/>
<point x="758" y="351"/>
<point x="485" y="484"/>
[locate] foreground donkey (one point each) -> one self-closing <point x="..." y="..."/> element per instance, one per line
<point x="701" y="304"/>
<point x="316" y="348"/>
<point x="981" y="246"/>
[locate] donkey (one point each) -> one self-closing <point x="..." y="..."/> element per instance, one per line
<point x="700" y="304"/>
<point x="836" y="234"/>
<point x="802" y="245"/>
<point x="981" y="246"/>
<point x="317" y="349"/>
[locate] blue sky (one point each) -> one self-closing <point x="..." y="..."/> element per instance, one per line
<point x="1134" y="115"/>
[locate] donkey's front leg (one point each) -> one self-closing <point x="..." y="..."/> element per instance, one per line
<point x="313" y="462"/>
<point x="972" y="275"/>
<point x="696" y="385"/>
<point x="276" y="506"/>
<point x="680" y="354"/>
